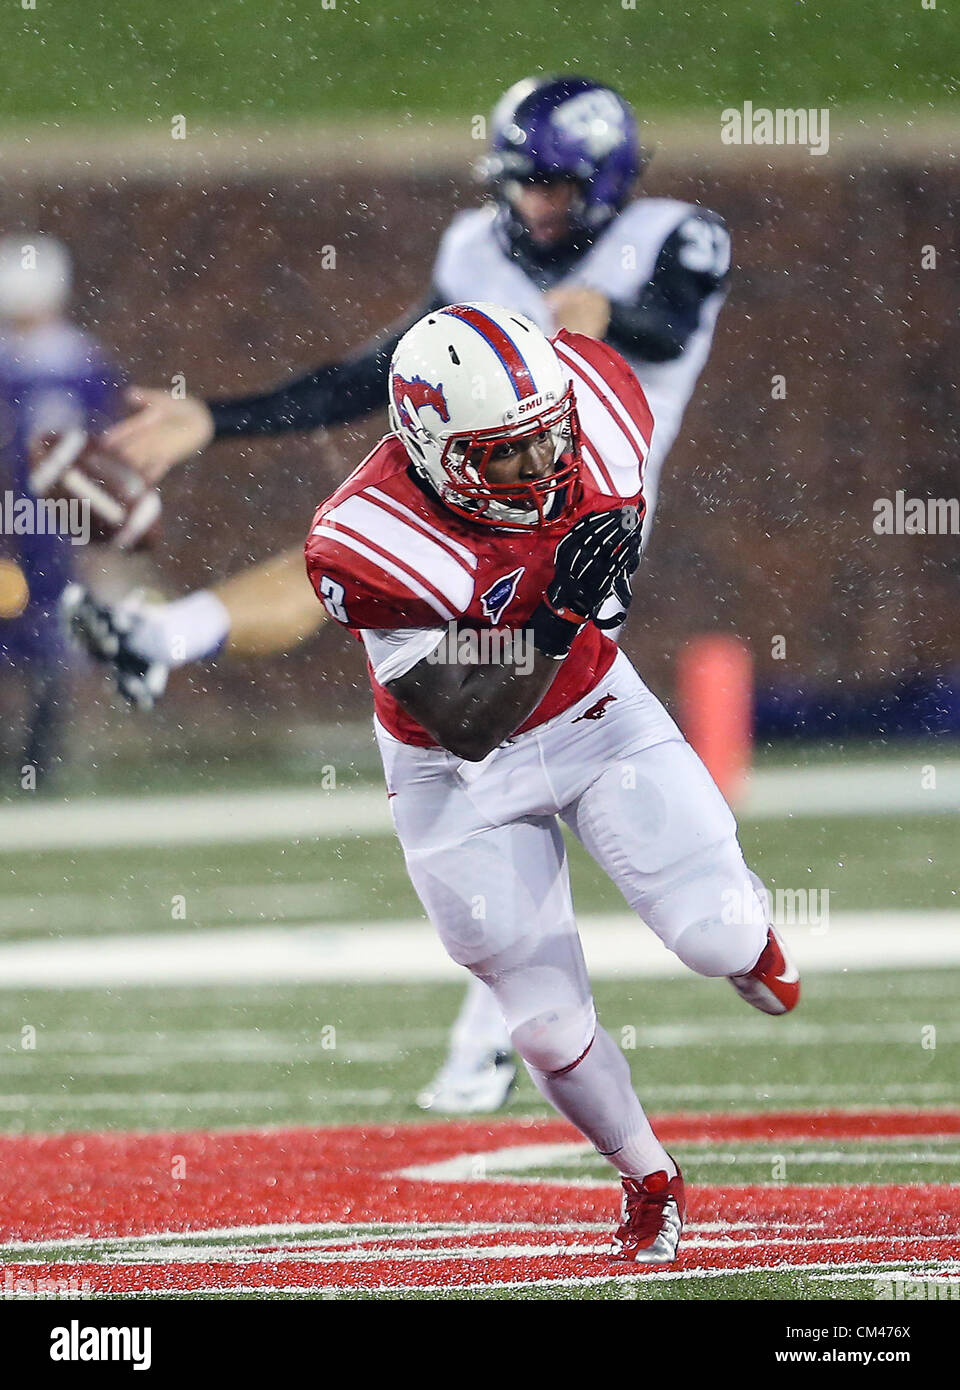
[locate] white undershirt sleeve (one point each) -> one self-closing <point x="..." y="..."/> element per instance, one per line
<point x="395" y="651"/>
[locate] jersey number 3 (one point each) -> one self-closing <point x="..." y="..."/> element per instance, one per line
<point x="333" y="595"/>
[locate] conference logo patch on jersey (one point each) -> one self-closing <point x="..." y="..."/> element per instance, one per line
<point x="501" y="592"/>
<point x="417" y="393"/>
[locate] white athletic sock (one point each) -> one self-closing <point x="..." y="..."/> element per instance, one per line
<point x="188" y="629"/>
<point x="479" y="1028"/>
<point x="598" y="1097"/>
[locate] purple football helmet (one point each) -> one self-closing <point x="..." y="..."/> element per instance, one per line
<point x="550" y="128"/>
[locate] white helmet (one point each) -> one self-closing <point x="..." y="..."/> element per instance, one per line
<point x="469" y="378"/>
<point x="35" y="275"/>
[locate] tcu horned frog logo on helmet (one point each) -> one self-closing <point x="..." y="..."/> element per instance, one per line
<point x="595" y="119"/>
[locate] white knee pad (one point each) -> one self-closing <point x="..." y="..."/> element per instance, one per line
<point x="553" y="1041"/>
<point x="711" y="915"/>
<point x="712" y="947"/>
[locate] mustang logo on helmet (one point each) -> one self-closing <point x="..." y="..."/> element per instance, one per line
<point x="417" y="393"/>
<point x="503" y="389"/>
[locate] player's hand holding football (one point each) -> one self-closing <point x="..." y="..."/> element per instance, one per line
<point x="597" y="552"/>
<point x="160" y="432"/>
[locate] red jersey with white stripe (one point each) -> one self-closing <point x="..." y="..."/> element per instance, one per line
<point x="384" y="554"/>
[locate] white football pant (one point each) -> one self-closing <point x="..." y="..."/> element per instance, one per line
<point x="485" y="853"/>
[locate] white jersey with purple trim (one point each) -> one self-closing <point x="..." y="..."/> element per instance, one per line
<point x="472" y="264"/>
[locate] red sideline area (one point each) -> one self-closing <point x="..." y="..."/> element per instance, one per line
<point x="120" y="1184"/>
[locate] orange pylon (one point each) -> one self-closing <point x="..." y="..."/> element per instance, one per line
<point x="715" y="698"/>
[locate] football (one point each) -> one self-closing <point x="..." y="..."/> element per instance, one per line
<point x="124" y="509"/>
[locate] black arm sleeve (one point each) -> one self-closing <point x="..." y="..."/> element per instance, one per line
<point x="693" y="263"/>
<point x="332" y="395"/>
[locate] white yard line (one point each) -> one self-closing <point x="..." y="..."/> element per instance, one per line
<point x="359" y="1231"/>
<point x="800" y="1157"/>
<point x="302" y="814"/>
<point x="617" y="946"/>
<point x="216" y="1238"/>
<point x="146" y="1100"/>
<point x="490" y="1165"/>
<point x="188" y="1044"/>
<point x="942" y="1275"/>
<point x="511" y="1159"/>
<point x="869" y="1093"/>
<point x="187" y="1255"/>
<point x="200" y="1254"/>
<point x="190" y="1100"/>
<point x="137" y="1061"/>
<point x="199" y="818"/>
<point x="867" y="789"/>
<point x="628" y="1279"/>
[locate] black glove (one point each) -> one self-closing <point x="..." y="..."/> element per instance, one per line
<point x="613" y="614"/>
<point x="103" y="630"/>
<point x="595" y="554"/>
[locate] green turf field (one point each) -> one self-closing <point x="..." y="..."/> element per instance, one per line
<point x="272" y="1058"/>
<point x="875" y="863"/>
<point x="138" y="62"/>
<point x="255" y="1059"/>
<point x="257" y="1140"/>
<point x="238" y="1055"/>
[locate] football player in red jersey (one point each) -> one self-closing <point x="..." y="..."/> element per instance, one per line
<point x="564" y="241"/>
<point x="506" y="504"/>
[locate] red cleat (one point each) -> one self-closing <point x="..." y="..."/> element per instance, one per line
<point x="773" y="985"/>
<point x="651" y="1219"/>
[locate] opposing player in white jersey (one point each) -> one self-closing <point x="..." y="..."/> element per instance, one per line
<point x="564" y="241"/>
<point x="471" y="552"/>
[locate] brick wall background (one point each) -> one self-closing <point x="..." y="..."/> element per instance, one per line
<point x="765" y="525"/>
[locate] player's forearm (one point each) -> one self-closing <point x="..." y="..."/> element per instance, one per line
<point x="470" y="712"/>
<point x="494" y="701"/>
<point x="693" y="264"/>
<point x="271" y="607"/>
<point x="332" y="395"/>
<point x="653" y="329"/>
<point x="470" y="707"/>
<point x="262" y="611"/>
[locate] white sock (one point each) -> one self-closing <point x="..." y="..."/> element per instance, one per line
<point x="479" y="1028"/>
<point x="598" y="1097"/>
<point x="188" y="629"/>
